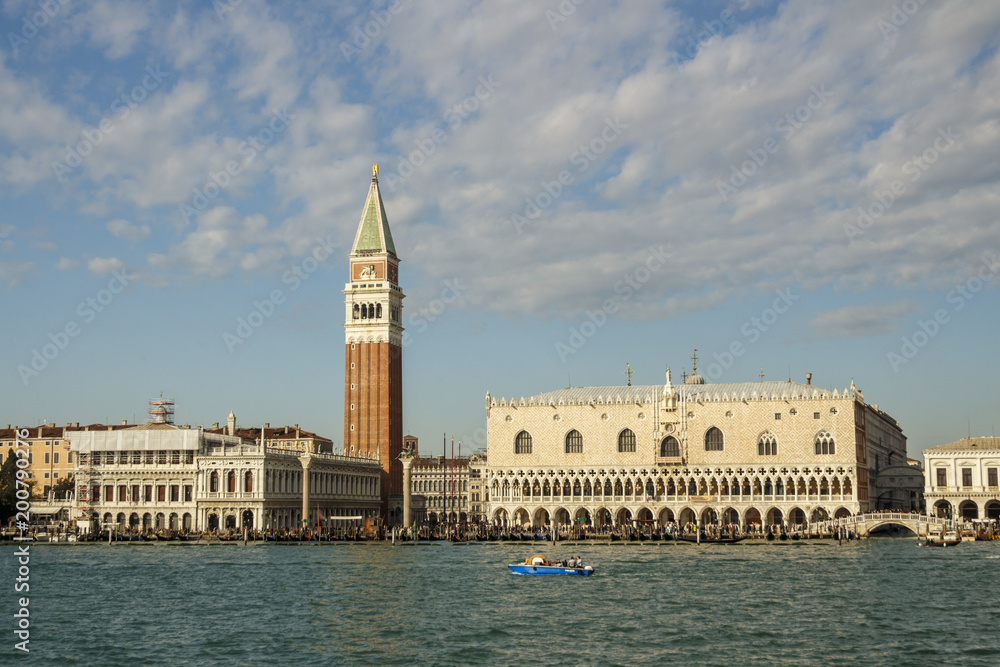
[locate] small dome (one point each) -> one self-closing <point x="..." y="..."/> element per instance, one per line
<point x="694" y="378"/>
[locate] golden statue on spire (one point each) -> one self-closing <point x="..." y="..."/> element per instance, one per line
<point x="374" y="171"/>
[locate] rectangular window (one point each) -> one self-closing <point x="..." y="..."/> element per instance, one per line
<point x="46" y="475"/>
<point x="109" y="493"/>
<point x="147" y="493"/>
<point x="942" y="477"/>
<point x="966" y="476"/>
<point x="174" y="493"/>
<point x="55" y="457"/>
<point x="55" y="475"/>
<point x="777" y="415"/>
<point x="815" y="415"/>
<point x="187" y="493"/>
<point x="991" y="476"/>
<point x="46" y="457"/>
<point x="161" y="493"/>
<point x="69" y="457"/>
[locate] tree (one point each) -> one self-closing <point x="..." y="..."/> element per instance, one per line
<point x="8" y="484"/>
<point x="64" y="485"/>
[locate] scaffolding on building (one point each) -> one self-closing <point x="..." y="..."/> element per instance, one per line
<point x="161" y="410"/>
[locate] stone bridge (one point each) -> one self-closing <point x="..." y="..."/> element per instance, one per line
<point x="864" y="524"/>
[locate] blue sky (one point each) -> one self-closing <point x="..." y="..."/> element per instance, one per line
<point x="798" y="186"/>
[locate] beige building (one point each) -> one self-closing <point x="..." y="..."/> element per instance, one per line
<point x="754" y="453"/>
<point x="440" y="488"/>
<point x="961" y="479"/>
<point x="50" y="459"/>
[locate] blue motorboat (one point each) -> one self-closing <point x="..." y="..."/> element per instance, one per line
<point x="538" y="565"/>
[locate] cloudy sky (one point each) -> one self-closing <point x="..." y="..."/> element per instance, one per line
<point x="572" y="187"/>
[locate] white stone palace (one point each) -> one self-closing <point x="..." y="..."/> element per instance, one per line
<point x="962" y="478"/>
<point x="159" y="476"/>
<point x="753" y="453"/>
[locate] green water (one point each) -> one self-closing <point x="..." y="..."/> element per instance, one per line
<point x="876" y="602"/>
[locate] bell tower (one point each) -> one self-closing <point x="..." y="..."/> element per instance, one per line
<point x="373" y="355"/>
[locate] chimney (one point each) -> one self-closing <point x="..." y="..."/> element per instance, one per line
<point x="286" y="430"/>
<point x="297" y="431"/>
<point x="809" y="378"/>
<point x="76" y="424"/>
<point x="52" y="425"/>
<point x="267" y="424"/>
<point x="215" y="425"/>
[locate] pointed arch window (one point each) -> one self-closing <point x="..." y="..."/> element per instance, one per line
<point x="378" y="311"/>
<point x="357" y="311"/>
<point x="522" y="443"/>
<point x="574" y="442"/>
<point x="626" y="441"/>
<point x="670" y="447"/>
<point x="825" y="443"/>
<point x="767" y="444"/>
<point x="713" y="440"/>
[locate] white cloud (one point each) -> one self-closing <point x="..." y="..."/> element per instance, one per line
<point x="126" y="230"/>
<point x="14" y="272"/>
<point x="861" y="320"/>
<point x="104" y="265"/>
<point x="67" y="264"/>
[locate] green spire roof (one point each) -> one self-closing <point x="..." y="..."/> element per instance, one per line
<point x="373" y="232"/>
